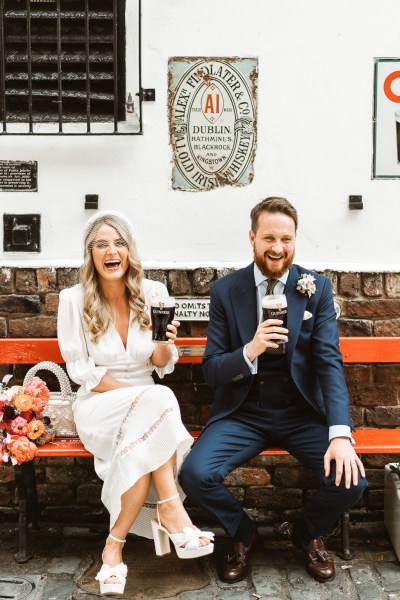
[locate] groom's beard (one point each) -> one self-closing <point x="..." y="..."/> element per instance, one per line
<point x="270" y="268"/>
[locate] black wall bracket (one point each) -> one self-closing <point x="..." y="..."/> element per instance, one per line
<point x="21" y="233"/>
<point x="355" y="203"/>
<point x="91" y="201"/>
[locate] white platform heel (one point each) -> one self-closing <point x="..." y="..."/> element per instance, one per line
<point x="120" y="571"/>
<point x="187" y="543"/>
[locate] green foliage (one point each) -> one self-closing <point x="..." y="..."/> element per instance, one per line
<point x="395" y="469"/>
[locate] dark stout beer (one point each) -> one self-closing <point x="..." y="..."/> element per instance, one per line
<point x="275" y="307"/>
<point x="162" y="311"/>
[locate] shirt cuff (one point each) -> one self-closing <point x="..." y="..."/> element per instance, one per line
<point x="252" y="366"/>
<point x="340" y="431"/>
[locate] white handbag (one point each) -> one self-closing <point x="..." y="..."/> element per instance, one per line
<point x="59" y="407"/>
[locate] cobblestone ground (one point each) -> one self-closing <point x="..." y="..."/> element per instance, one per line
<point x="62" y="555"/>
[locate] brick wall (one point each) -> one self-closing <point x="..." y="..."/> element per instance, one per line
<point x="272" y="489"/>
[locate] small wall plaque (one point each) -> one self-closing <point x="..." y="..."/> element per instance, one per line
<point x="18" y="176"/>
<point x="192" y="309"/>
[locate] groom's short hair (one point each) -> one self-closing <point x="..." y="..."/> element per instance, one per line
<point x="272" y="204"/>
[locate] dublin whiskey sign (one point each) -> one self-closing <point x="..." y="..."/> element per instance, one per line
<point x="213" y="121"/>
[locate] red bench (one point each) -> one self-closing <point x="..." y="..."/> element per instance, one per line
<point x="34" y="350"/>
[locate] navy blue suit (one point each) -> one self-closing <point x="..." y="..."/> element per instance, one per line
<point x="294" y="412"/>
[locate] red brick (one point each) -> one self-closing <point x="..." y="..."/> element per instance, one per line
<point x="179" y="283"/>
<point x="298" y="477"/>
<point x="386" y="327"/>
<point x="383" y="416"/>
<point x="25" y="281"/>
<point x="51" y="303"/>
<point x="46" y="279"/>
<point x="67" y="474"/>
<point x="6" y="473"/>
<point x="357" y="414"/>
<point x="372" y="308"/>
<point x="205" y="413"/>
<point x="334" y="277"/>
<point x="67" y="277"/>
<point x="198" y="328"/>
<point x="349" y="284"/>
<point x="55" y="494"/>
<point x="387" y="373"/>
<point x="372" y="284"/>
<point x="3" y="327"/>
<point x="248" y="476"/>
<point x="224" y="271"/>
<point x="238" y="492"/>
<point x="156" y="275"/>
<point x="6" y="280"/>
<point x="13" y="303"/>
<point x="273" y="498"/>
<point x="374" y="395"/>
<point x="392" y="285"/>
<point x="358" y="373"/>
<point x="33" y="327"/>
<point x="202" y="279"/>
<point x="375" y="498"/>
<point x="6" y="496"/>
<point x="273" y="461"/>
<point x="89" y="494"/>
<point x="375" y="477"/>
<point x="354" y="327"/>
<point x="378" y="461"/>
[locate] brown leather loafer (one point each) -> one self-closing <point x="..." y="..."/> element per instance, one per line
<point x="236" y="565"/>
<point x="319" y="563"/>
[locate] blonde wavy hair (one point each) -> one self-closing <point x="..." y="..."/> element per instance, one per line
<point x="96" y="309"/>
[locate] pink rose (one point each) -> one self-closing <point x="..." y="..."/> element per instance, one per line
<point x="39" y="392"/>
<point x="19" y="426"/>
<point x="22" y="449"/>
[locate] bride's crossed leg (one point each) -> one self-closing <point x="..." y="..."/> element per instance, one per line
<point x="172" y="513"/>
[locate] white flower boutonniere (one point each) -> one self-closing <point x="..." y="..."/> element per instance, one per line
<point x="306" y="285"/>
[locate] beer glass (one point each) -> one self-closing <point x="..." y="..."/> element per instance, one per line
<point x="274" y="306"/>
<point x="162" y="310"/>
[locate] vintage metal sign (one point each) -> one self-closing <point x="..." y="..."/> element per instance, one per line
<point x="18" y="176"/>
<point x="387" y="119"/>
<point x="213" y="121"/>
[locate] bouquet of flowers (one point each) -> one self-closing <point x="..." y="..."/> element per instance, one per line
<point x="22" y="426"/>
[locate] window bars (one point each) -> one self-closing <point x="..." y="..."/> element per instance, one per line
<point x="62" y="68"/>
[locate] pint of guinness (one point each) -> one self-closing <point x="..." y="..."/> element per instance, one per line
<point x="162" y="311"/>
<point x="274" y="306"/>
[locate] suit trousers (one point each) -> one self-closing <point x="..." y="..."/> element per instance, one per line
<point x="231" y="441"/>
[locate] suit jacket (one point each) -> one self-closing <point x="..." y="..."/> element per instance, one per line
<point x="312" y="350"/>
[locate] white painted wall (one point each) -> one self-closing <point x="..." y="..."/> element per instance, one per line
<point x="316" y="61"/>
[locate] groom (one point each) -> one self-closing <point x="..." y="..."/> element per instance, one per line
<point x="297" y="400"/>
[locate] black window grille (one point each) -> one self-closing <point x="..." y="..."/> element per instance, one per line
<point x="62" y="67"/>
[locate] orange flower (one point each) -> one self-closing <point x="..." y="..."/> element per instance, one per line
<point x="36" y="428"/>
<point x="23" y="402"/>
<point x="39" y="392"/>
<point x="22" y="449"/>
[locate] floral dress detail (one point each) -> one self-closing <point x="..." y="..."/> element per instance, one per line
<point x="131" y="431"/>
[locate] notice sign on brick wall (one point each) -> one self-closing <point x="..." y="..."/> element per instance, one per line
<point x="387" y="118"/>
<point x="213" y="121"/>
<point x="18" y="176"/>
<point x="192" y="309"/>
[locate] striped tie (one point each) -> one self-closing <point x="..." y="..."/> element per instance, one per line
<point x="271" y="283"/>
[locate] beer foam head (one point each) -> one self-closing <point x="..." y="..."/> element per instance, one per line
<point x="274" y="301"/>
<point x="167" y="301"/>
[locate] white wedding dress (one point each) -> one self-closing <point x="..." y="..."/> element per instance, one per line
<point x="130" y="431"/>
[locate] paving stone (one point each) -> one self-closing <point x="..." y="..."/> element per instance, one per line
<point x="58" y="589"/>
<point x="365" y="580"/>
<point x="390" y="576"/>
<point x="304" y="587"/>
<point x="270" y="582"/>
<point x="64" y="564"/>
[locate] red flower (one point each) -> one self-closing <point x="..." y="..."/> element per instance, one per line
<point x="19" y="426"/>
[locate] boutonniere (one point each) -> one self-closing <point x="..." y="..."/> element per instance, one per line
<point x="306" y="285"/>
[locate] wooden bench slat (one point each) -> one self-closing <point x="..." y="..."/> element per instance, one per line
<point x="368" y="441"/>
<point x="354" y="350"/>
